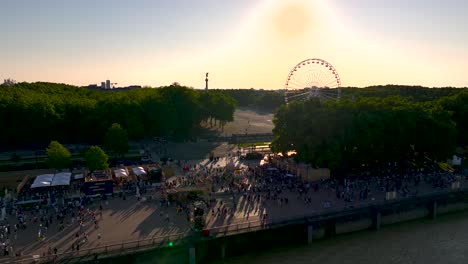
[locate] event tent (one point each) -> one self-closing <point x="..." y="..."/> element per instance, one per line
<point x="121" y="173"/>
<point x="62" y="178"/>
<point x="47" y="180"/>
<point x="139" y="171"/>
<point x="44" y="180"/>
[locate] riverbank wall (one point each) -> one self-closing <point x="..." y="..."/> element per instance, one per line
<point x="223" y="242"/>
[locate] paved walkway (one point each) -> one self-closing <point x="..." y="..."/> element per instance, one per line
<point x="122" y="220"/>
<point x="249" y="211"/>
<point x="126" y="220"/>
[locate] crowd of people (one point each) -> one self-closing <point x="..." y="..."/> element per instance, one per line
<point x="45" y="217"/>
<point x="266" y="186"/>
<point x="271" y="185"/>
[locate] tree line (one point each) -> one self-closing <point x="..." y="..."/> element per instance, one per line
<point x="271" y="100"/>
<point x="263" y="100"/>
<point x="33" y="114"/>
<point x="365" y="132"/>
<point x="59" y="157"/>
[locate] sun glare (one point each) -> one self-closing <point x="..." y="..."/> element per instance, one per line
<point x="277" y="35"/>
<point x="291" y="20"/>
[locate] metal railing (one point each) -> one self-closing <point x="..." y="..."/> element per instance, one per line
<point x="114" y="249"/>
<point x="255" y="225"/>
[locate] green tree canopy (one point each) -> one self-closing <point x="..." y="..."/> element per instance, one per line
<point x="96" y="159"/>
<point x="58" y="157"/>
<point x="348" y="135"/>
<point x="116" y="139"/>
<point x="78" y="115"/>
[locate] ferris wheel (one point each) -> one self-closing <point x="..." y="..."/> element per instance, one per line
<point x="313" y="78"/>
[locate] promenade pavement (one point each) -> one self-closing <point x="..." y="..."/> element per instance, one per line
<point x="130" y="219"/>
<point x="122" y="221"/>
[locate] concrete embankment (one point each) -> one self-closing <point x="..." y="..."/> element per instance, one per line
<point x="304" y="230"/>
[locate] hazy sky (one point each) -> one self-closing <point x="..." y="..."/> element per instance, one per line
<point x="242" y="43"/>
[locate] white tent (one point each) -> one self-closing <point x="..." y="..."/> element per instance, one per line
<point x="47" y="180"/>
<point x="139" y="171"/>
<point x="44" y="180"/>
<point x="78" y="176"/>
<point x="62" y="178"/>
<point x="121" y="173"/>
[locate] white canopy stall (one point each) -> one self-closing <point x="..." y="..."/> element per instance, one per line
<point x="119" y="173"/>
<point x="44" y="180"/>
<point x="61" y="179"/>
<point x="139" y="171"/>
<point x="49" y="180"/>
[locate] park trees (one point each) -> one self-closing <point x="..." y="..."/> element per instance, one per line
<point x="182" y="111"/>
<point x="78" y="115"/>
<point x="96" y="159"/>
<point x="58" y="157"/>
<point x="458" y="105"/>
<point x="116" y="139"/>
<point x="264" y="100"/>
<point x="367" y="132"/>
<point x="217" y="106"/>
<point x="223" y="108"/>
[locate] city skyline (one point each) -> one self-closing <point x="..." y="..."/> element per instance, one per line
<point x="242" y="44"/>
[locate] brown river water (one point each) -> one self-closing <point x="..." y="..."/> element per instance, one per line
<point x="444" y="241"/>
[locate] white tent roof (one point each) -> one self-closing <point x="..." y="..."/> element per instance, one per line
<point x="78" y="176"/>
<point x="121" y="173"/>
<point x="43" y="180"/>
<point x="62" y="178"/>
<point x="47" y="180"/>
<point x="139" y="171"/>
<point x="45" y="177"/>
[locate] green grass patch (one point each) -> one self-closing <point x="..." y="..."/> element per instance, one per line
<point x="255" y="144"/>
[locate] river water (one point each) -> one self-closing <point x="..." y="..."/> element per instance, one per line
<point x="444" y="240"/>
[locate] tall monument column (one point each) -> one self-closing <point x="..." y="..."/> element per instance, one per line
<point x="206" y="82"/>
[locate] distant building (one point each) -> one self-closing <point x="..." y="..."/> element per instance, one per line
<point x="93" y="87"/>
<point x="106" y="86"/>
<point x="9" y="82"/>
<point x="131" y="87"/>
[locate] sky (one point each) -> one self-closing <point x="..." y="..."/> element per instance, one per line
<point x="241" y="43"/>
